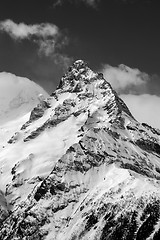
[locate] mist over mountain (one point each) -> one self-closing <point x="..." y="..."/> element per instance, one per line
<point x="79" y="166"/>
<point x="18" y="96"/>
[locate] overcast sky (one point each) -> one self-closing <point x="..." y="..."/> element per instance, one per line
<point x="40" y="38"/>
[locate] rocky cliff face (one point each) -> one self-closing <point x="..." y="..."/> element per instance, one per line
<point x="81" y="168"/>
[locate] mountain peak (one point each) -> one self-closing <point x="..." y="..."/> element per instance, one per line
<point x="78" y="64"/>
<point x="80" y="79"/>
<point x="81" y="168"/>
<point x="77" y="73"/>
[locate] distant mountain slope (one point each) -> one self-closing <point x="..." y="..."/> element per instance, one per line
<point x="81" y="167"/>
<point x="18" y="96"/>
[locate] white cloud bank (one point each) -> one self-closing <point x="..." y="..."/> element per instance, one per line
<point x="145" y="108"/>
<point x="22" y="31"/>
<point x="133" y="87"/>
<point x="46" y="35"/>
<point x="124" y="78"/>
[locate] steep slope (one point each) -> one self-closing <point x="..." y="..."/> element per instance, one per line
<point x="81" y="167"/>
<point x="18" y="96"/>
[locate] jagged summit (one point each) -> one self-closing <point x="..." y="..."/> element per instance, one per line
<point x="81" y="168"/>
<point x="79" y="64"/>
<point x="76" y="73"/>
<point x="82" y="80"/>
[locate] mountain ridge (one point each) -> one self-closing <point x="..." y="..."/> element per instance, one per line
<point x="18" y="95"/>
<point x="86" y="168"/>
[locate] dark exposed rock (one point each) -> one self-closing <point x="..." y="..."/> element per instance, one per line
<point x="155" y="131"/>
<point x="37" y="112"/>
<point x="148" y="145"/>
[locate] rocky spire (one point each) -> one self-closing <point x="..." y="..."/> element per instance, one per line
<point x="81" y="79"/>
<point x="75" y="74"/>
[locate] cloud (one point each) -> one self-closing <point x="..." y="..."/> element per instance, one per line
<point x="91" y="3"/>
<point x="139" y="90"/>
<point x="46" y="47"/>
<point x="94" y="3"/>
<point x="46" y="35"/>
<point x="124" y="78"/>
<point x="23" y="31"/>
<point x="131" y="80"/>
<point x="145" y="108"/>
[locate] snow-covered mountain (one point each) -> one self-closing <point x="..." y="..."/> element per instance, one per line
<point x="81" y="167"/>
<point x="18" y="96"/>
